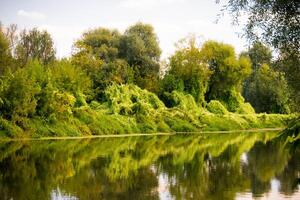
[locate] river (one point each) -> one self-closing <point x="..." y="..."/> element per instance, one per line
<point x="262" y="165"/>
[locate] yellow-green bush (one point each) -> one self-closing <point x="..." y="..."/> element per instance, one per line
<point x="245" y="108"/>
<point x="130" y="99"/>
<point x="216" y="107"/>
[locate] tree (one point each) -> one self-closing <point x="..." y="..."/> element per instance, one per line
<point x="11" y="33"/>
<point x="17" y="96"/>
<point x="98" y="54"/>
<point x="259" y="54"/>
<point x="228" y="73"/>
<point x="259" y="88"/>
<point x="118" y="72"/>
<point x="276" y="22"/>
<point x="101" y="43"/>
<point x="289" y="64"/>
<point x="187" y="71"/>
<point x="140" y="48"/>
<point x="5" y="54"/>
<point x="35" y="44"/>
<point x="269" y="92"/>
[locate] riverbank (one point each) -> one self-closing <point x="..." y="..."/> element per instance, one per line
<point x="130" y="110"/>
<point x="7" y="139"/>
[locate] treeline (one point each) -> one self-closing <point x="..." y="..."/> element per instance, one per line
<point x="34" y="83"/>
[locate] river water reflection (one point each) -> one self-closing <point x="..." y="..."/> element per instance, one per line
<point x="199" y="166"/>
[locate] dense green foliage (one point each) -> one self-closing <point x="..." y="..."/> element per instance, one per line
<point x="276" y="20"/>
<point x="269" y="92"/>
<point x="207" y="73"/>
<point x="266" y="88"/>
<point x="139" y="47"/>
<point x="35" y="44"/>
<point x="110" y="57"/>
<point x="111" y="85"/>
<point x="276" y="23"/>
<point x="188" y="73"/>
<point x="5" y="56"/>
<point x="289" y="64"/>
<point x="216" y="107"/>
<point x="228" y="73"/>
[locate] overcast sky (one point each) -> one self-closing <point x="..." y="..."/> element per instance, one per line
<point x="172" y="20"/>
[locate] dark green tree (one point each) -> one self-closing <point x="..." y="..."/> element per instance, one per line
<point x="35" y="44"/>
<point x="97" y="52"/>
<point x="259" y="87"/>
<point x="289" y="64"/>
<point x="140" y="48"/>
<point x="228" y="73"/>
<point x="187" y="72"/>
<point x="5" y="54"/>
<point x="278" y="21"/>
<point x="269" y="92"/>
<point x="102" y="43"/>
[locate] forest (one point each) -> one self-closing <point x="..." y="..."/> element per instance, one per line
<point x="116" y="83"/>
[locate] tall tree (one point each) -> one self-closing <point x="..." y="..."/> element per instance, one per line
<point x="289" y="64"/>
<point x="5" y="54"/>
<point x="97" y="52"/>
<point x="35" y="44"/>
<point x="278" y="21"/>
<point x="259" y="54"/>
<point x="140" y="48"/>
<point x="102" y="43"/>
<point x="228" y="73"/>
<point x="187" y="71"/>
<point x="269" y="92"/>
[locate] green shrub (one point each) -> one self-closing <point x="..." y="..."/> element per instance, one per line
<point x="17" y="94"/>
<point x="182" y="101"/>
<point x="245" y="108"/>
<point x="130" y="99"/>
<point x="232" y="100"/>
<point x="216" y="107"/>
<point x="9" y="128"/>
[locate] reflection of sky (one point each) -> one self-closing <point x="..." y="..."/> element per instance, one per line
<point x="244" y="158"/>
<point x="59" y="195"/>
<point x="163" y="187"/>
<point x="273" y="194"/>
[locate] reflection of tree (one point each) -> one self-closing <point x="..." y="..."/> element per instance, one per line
<point x="289" y="178"/>
<point x="196" y="166"/>
<point x="206" y="178"/>
<point x="274" y="159"/>
<point x="92" y="183"/>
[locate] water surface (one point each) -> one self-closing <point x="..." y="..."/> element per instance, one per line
<point x="199" y="166"/>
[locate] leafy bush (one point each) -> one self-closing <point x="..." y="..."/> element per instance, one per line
<point x="17" y="94"/>
<point x="182" y="101"/>
<point x="130" y="99"/>
<point x="245" y="108"/>
<point x="216" y="107"/>
<point x="187" y="72"/>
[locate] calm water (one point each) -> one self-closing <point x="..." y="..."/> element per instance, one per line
<point x="207" y="166"/>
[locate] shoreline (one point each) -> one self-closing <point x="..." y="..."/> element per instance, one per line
<point x="135" y="135"/>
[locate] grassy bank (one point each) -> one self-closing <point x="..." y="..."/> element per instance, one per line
<point x="129" y="109"/>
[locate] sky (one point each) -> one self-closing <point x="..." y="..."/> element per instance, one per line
<point x="172" y="20"/>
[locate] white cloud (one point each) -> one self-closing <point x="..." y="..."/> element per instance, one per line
<point x="31" y="14"/>
<point x="147" y="3"/>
